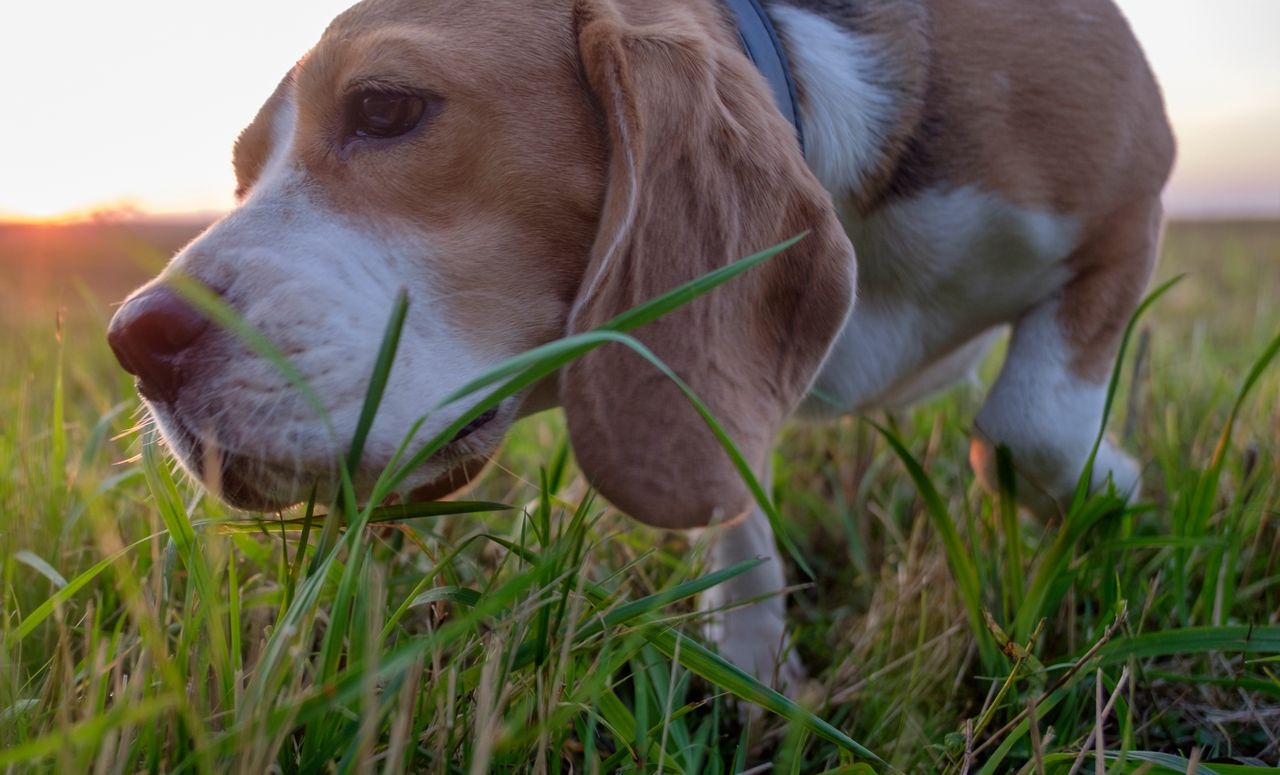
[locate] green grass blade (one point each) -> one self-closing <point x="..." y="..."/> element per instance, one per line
<point x="87" y="733"/>
<point x="77" y="583"/>
<point x="959" y="559"/>
<point x="1151" y="761"/>
<point x="711" y="667"/>
<point x="628" y="613"/>
<point x="212" y="306"/>
<point x="378" y="380"/>
<point x="1113" y="385"/>
<point x="1193" y="640"/>
<point x="378" y="516"/>
<point x="627" y="321"/>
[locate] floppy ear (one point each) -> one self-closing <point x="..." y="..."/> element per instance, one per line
<point x="703" y="171"/>
<point x="254" y="145"/>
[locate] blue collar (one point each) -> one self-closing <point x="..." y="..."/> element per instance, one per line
<point x="760" y="41"/>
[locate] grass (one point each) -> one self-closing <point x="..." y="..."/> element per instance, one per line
<point x="145" y="628"/>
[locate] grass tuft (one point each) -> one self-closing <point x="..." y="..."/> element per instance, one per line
<point x="533" y="629"/>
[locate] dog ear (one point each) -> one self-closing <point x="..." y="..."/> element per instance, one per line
<point x="256" y="142"/>
<point x="703" y="171"/>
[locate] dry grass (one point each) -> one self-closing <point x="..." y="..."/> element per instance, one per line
<point x="1156" y="635"/>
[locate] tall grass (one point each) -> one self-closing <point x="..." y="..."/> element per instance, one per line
<point x="534" y="630"/>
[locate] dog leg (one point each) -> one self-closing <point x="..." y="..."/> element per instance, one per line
<point x="1047" y="404"/>
<point x="753" y="635"/>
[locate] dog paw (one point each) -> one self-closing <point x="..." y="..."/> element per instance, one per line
<point x="786" y="676"/>
<point x="757" y="642"/>
<point x="1118" y="467"/>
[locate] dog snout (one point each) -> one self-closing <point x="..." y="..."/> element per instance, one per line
<point x="149" y="335"/>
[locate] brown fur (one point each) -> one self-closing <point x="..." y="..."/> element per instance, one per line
<point x="1060" y="112"/>
<point x="1049" y="104"/>
<point x="510" y="182"/>
<point x="522" y="183"/>
<point x="1111" y="271"/>
<point x="479" y="179"/>
<point x="715" y="177"/>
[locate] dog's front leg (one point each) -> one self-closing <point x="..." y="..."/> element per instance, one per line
<point x="746" y="616"/>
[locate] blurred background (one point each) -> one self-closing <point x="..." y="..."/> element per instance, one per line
<point x="116" y="136"/>
<point x="132" y="106"/>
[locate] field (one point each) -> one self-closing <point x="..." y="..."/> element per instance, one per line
<point x="144" y="628"/>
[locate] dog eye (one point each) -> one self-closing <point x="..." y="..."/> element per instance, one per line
<point x="384" y="114"/>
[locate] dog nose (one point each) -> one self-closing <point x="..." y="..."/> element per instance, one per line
<point x="148" y="334"/>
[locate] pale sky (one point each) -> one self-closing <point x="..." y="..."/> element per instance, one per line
<point x="138" y="101"/>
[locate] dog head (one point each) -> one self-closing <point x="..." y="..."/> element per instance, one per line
<point x="522" y="173"/>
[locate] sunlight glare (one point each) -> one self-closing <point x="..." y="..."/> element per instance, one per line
<point x="136" y="103"/>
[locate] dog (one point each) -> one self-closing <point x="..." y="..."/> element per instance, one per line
<point x="530" y="170"/>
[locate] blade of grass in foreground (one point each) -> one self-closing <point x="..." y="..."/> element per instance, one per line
<point x="704" y="663"/>
<point x="534" y="366"/>
<point x="710" y="666"/>
<point x="627" y="321"/>
<point x="377" y="516"/>
<point x="222" y="315"/>
<point x="90" y="731"/>
<point x="378" y="381"/>
<point x="1113" y="386"/>
<point x="1194" y="640"/>
<point x="569" y="350"/>
<point x="1144" y="761"/>
<point x="963" y="569"/>
<point x="45" y="609"/>
<point x="373" y="396"/>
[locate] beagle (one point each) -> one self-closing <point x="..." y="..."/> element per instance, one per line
<point x="530" y="170"/>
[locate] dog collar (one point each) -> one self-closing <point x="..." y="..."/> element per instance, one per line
<point x="760" y="41"/>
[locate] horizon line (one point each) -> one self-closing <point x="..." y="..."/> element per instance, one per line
<point x="127" y="215"/>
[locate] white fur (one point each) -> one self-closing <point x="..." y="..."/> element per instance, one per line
<point x="961" y="365"/>
<point x="753" y="637"/>
<point x="284" y="124"/>
<point x="936" y="273"/>
<point x="320" y="285"/>
<point x="847" y="114"/>
<point x="1048" y="417"/>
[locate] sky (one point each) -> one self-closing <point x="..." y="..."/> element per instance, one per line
<point x="135" y="103"/>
